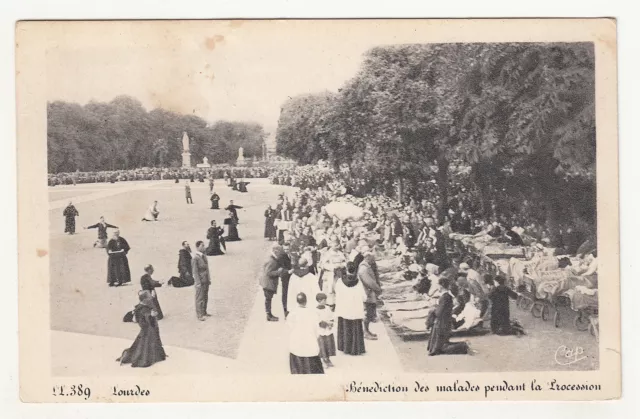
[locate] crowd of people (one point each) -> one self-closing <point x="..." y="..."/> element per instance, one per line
<point x="340" y="257"/>
<point x="156" y="173"/>
<point x="343" y="250"/>
<point x="193" y="269"/>
<point x="462" y="212"/>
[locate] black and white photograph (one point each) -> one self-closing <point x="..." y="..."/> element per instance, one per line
<point x="366" y="202"/>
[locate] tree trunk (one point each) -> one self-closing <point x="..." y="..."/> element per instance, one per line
<point x="443" y="186"/>
<point x="399" y="189"/>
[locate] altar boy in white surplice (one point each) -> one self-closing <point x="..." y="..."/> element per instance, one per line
<point x="302" y="281"/>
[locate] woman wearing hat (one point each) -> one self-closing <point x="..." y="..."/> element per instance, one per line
<point x="147" y="348"/>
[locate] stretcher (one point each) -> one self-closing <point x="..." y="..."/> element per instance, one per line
<point x="585" y="305"/>
<point x="541" y="297"/>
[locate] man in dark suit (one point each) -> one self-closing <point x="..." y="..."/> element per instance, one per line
<point x="271" y="271"/>
<point x="200" y="269"/>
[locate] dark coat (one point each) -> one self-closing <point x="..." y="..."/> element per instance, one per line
<point x="200" y="269"/>
<point x="269" y="227"/>
<point x="440" y="319"/>
<point x="234" y="210"/>
<point x="367" y="275"/>
<point x="215" y="200"/>
<point x="147" y="348"/>
<point x="500" y="315"/>
<point x="232" y="229"/>
<point x="118" y="264"/>
<point x="149" y="284"/>
<point x="102" y="229"/>
<point x="270" y="274"/>
<point x="185" y="270"/>
<point x="214" y="235"/>
<point x="70" y="213"/>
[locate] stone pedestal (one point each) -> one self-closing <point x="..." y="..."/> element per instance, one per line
<point x="203" y="166"/>
<point x="186" y="159"/>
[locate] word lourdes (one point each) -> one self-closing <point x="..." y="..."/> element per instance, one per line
<point x="137" y="391"/>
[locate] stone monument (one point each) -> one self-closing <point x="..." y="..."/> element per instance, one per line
<point x="205" y="163"/>
<point x="240" y="161"/>
<point x="186" y="154"/>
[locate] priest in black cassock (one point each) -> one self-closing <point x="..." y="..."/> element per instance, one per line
<point x="215" y="201"/>
<point x="184" y="268"/>
<point x="70" y="213"/>
<point x="118" y="265"/>
<point x="216" y="240"/>
<point x="233" y="210"/>
<point x="232" y="228"/>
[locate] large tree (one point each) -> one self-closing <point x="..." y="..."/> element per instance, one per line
<point x="302" y="127"/>
<point x="521" y="115"/>
<point x="121" y="134"/>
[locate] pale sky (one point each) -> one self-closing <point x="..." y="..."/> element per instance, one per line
<point x="219" y="73"/>
<point x="241" y="70"/>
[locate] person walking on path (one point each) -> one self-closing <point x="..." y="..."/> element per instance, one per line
<point x="70" y="213"/>
<point x="202" y="279"/>
<point x="187" y="191"/>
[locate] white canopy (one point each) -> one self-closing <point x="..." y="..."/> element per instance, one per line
<point x="345" y="211"/>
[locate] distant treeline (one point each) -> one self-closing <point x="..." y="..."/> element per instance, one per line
<point x="121" y="135"/>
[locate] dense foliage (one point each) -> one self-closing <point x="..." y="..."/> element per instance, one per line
<point x="520" y="115"/>
<point x="121" y="135"/>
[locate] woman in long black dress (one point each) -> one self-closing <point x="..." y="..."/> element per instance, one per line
<point x="232" y="226"/>
<point x="149" y="284"/>
<point x="269" y="226"/>
<point x="147" y="348"/>
<point x="216" y="240"/>
<point x="440" y="321"/>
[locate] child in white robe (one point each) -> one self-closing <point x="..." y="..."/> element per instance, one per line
<point x="326" y="341"/>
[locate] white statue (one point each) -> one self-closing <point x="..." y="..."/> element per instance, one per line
<point x="185" y="141"/>
<point x="205" y="160"/>
<point x="241" y="153"/>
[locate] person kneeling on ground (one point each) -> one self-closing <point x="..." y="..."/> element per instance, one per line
<point x="440" y="322"/>
<point x="500" y="316"/>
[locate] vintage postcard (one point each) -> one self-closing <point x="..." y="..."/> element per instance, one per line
<point x="318" y="210"/>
